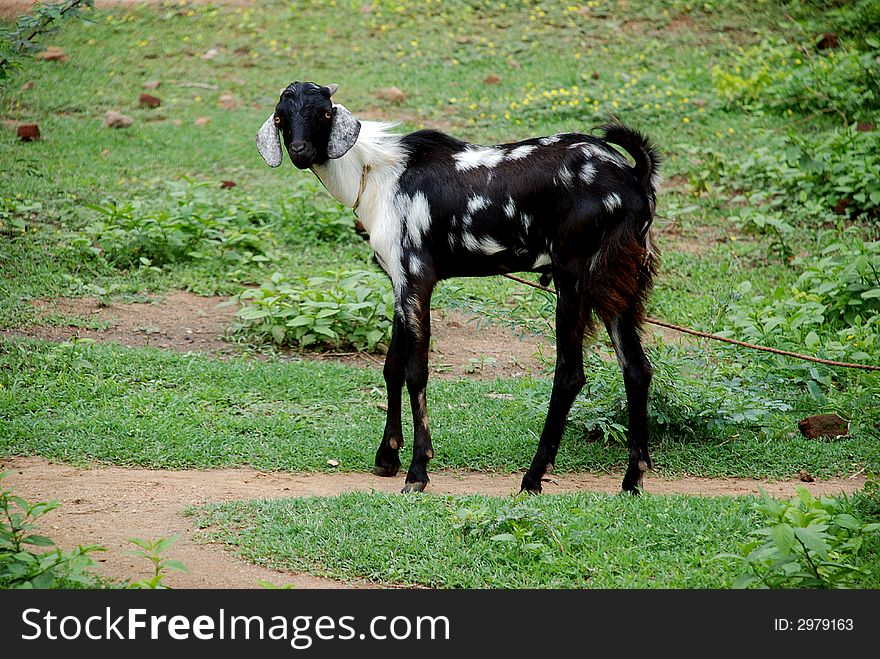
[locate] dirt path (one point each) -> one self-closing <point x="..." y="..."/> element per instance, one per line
<point x="463" y="345"/>
<point x="107" y="505"/>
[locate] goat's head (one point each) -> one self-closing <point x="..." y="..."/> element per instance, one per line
<point x="312" y="127"/>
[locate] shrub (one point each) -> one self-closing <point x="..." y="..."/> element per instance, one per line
<point x="808" y="543"/>
<point x="833" y="308"/>
<point x="192" y="227"/>
<point x="780" y="77"/>
<point x="836" y="172"/>
<point x="340" y="309"/>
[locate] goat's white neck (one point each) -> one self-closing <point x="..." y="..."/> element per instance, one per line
<point x="376" y="151"/>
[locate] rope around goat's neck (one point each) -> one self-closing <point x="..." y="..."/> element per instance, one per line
<point x="363" y="186"/>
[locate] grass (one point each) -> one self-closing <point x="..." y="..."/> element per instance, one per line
<point x="559" y="541"/>
<point x="85" y="402"/>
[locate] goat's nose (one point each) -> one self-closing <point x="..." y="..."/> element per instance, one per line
<point x="297" y="147"/>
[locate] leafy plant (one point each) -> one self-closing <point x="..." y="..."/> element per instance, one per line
<point x="20" y="38"/>
<point x="778" y="76"/>
<point x="833" y="308"/>
<point x="20" y="567"/>
<point x="344" y="308"/>
<point x="192" y="227"/>
<point x="808" y="543"/>
<point x="687" y="397"/>
<point x="152" y="550"/>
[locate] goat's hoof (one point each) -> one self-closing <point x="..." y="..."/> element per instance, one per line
<point x="530" y="486"/>
<point x="415" y="486"/>
<point x="386" y="470"/>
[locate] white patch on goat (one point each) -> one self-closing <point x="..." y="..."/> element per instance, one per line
<point x="416" y="265"/>
<point x="548" y="141"/>
<point x="416" y="213"/>
<point x="611" y="201"/>
<point x="588" y="172"/>
<point x="485" y="245"/>
<point x="565" y="176"/>
<point x="600" y="152"/>
<point x="510" y="208"/>
<point x="614" y="333"/>
<point x="477" y="203"/>
<point x="477" y="156"/>
<point x="526" y="221"/>
<point x="489" y="246"/>
<point x="656" y="181"/>
<point x="542" y="260"/>
<point x="520" y="152"/>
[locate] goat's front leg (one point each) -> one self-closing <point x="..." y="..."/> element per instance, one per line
<point x="387" y="455"/>
<point x="571" y="320"/>
<point x="415" y="304"/>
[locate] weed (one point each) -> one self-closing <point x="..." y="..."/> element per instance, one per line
<point x="809" y="543"/>
<point x="345" y="308"/>
<point x="152" y="551"/>
<point x="20" y="567"/>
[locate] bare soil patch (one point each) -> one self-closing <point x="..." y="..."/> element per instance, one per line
<point x="462" y="346"/>
<point x="178" y="321"/>
<point x="107" y="505"/>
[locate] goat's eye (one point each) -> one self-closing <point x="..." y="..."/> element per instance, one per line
<point x="277" y="120"/>
<point x="328" y="116"/>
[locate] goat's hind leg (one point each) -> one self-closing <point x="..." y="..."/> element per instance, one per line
<point x="387" y="455"/>
<point x="637" y="373"/>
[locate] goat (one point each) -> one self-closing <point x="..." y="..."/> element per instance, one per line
<point x="435" y="207"/>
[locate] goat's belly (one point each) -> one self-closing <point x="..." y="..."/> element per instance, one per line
<point x="482" y="265"/>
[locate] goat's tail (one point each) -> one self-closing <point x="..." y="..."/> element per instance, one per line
<point x="642" y="150"/>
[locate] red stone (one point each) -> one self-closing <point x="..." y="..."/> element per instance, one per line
<point x="823" y="425"/>
<point x="149" y="101"/>
<point x="28" y="132"/>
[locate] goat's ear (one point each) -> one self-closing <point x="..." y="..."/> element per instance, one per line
<point x="269" y="142"/>
<point x="344" y="132"/>
<point x="332" y="87"/>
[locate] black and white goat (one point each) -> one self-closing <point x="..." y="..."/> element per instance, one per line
<point x="568" y="205"/>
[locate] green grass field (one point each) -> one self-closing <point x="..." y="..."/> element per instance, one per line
<point x="489" y="73"/>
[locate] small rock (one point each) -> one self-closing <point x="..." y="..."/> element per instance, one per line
<point x="52" y="54"/>
<point x="823" y="425"/>
<point x="806" y="476"/>
<point x="333" y="463"/>
<point x="152" y="84"/>
<point x="228" y="102"/>
<point x="203" y="121"/>
<point x="105" y="153"/>
<point x="27" y="86"/>
<point x="865" y="126"/>
<point x="595" y="75"/>
<point x="149" y="101"/>
<point x="114" y="119"/>
<point x="391" y="94"/>
<point x="211" y="54"/>
<point x="827" y="40"/>
<point x="491" y="79"/>
<point x="28" y="132"/>
<point x="227" y="184"/>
